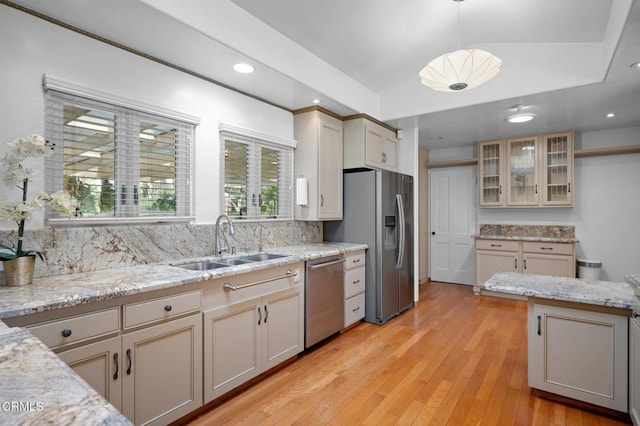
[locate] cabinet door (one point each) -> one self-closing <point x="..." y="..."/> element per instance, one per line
<point x="634" y="371"/>
<point x="389" y="150"/>
<point x="490" y="262"/>
<point x="522" y="184"/>
<point x="491" y="171"/>
<point x="232" y="346"/>
<point x="100" y="365"/>
<point x="162" y="371"/>
<point x="550" y="264"/>
<point x="282" y="326"/>
<point x="373" y="142"/>
<point x="557" y="169"/>
<point x="330" y="168"/>
<point x="579" y="354"/>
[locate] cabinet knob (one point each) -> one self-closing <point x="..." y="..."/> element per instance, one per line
<point x="433" y="232"/>
<point x="66" y="332"/>
<point x="168" y="308"/>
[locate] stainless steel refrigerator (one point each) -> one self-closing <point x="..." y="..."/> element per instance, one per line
<point x="378" y="211"/>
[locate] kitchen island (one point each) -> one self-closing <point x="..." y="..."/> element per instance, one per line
<point x="578" y="337"/>
<point x="24" y="356"/>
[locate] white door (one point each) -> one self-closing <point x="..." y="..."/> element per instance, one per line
<point x="452" y="216"/>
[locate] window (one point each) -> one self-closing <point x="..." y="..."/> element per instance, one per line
<point x="120" y="163"/>
<point x="257" y="172"/>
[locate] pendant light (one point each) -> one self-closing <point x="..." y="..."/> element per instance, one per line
<point x="460" y="70"/>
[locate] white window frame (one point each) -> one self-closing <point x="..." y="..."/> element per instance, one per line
<point x="56" y="89"/>
<point x="256" y="140"/>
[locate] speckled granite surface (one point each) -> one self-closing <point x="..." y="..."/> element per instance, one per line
<point x="633" y="280"/>
<point x="603" y="293"/>
<point x="36" y="387"/>
<point x="69" y="290"/>
<point x="69" y="250"/>
<point x="547" y="233"/>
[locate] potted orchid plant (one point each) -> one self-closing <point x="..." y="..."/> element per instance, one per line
<point x="19" y="262"/>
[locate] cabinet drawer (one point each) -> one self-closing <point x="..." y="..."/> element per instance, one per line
<point x="150" y="311"/>
<point x="547" y="248"/>
<point x="500" y="245"/>
<point x="75" y="329"/>
<point x="353" y="309"/>
<point x="354" y="260"/>
<point x="353" y="281"/>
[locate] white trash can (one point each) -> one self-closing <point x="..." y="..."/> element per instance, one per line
<point x="589" y="269"/>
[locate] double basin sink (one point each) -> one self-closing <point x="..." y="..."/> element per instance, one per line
<point x="225" y="263"/>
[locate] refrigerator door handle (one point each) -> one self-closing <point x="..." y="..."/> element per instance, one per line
<point x="401" y="227"/>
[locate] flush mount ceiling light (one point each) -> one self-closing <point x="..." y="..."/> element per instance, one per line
<point x="243" y="68"/>
<point x="460" y="70"/>
<point x="520" y="116"/>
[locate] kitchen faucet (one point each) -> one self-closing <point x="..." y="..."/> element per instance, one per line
<point x="219" y="244"/>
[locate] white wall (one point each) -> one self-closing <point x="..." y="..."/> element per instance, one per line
<point x="607" y="203"/>
<point x="31" y="47"/>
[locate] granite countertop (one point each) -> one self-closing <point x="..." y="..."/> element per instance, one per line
<point x="634" y="281"/>
<point x="602" y="293"/>
<point x="39" y="388"/>
<point x="64" y="291"/>
<point x="525" y="238"/>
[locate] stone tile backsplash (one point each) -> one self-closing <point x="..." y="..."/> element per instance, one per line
<point x="68" y="250"/>
<point x="543" y="231"/>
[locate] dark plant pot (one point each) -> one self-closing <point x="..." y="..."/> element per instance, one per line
<point x="19" y="271"/>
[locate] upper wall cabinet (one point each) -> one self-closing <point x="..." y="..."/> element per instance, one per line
<point x="533" y="171"/>
<point x="318" y="158"/>
<point x="369" y="144"/>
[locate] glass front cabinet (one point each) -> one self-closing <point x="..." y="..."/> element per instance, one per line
<point x="532" y="171"/>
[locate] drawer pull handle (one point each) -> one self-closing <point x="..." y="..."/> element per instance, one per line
<point x="524" y="262"/>
<point x="259" y="315"/>
<point x="266" y="314"/>
<point x="356" y="281"/>
<point x="496" y="245"/>
<point x="546" y="248"/>
<point x="356" y="309"/>
<point x="66" y="332"/>
<point x="115" y="361"/>
<point x="129" y="358"/>
<point x="356" y="261"/>
<point x="539" y="324"/>
<point x="168" y="308"/>
<point x="516" y="260"/>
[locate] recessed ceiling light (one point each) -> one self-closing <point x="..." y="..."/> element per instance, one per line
<point x="635" y="65"/>
<point x="610" y="115"/>
<point x="243" y="68"/>
<point x="316" y="101"/>
<point x="521" y="118"/>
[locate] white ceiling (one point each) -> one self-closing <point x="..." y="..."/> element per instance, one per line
<point x="568" y="61"/>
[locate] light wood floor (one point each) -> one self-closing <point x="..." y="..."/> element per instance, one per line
<point x="455" y="359"/>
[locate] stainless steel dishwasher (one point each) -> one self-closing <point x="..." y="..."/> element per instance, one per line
<point x="323" y="298"/>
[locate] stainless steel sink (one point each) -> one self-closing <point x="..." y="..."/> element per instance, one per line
<point x="202" y="266"/>
<point x="260" y="257"/>
<point x="232" y="262"/>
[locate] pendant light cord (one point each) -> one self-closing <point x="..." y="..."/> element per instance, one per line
<point x="458" y="1"/>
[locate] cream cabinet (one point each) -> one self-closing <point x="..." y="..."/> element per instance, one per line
<point x="162" y="371"/>
<point x="149" y="365"/>
<point x="531" y="171"/>
<point x="634" y="371"/>
<point x="100" y="365"/>
<point x="578" y="353"/>
<point x="318" y="158"/>
<point x="354" y="287"/>
<point x="369" y="144"/>
<point x="527" y="257"/>
<point x="247" y="337"/>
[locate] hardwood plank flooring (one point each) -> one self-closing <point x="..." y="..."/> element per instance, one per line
<point x="455" y="359"/>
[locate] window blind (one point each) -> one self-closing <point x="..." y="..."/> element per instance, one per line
<point x="116" y="161"/>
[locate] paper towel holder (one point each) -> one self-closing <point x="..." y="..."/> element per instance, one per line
<point x="302" y="193"/>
